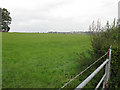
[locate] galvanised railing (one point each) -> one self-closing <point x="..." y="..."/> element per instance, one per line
<point x="105" y="77"/>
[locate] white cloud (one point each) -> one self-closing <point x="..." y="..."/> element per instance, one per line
<point x="58" y="15"/>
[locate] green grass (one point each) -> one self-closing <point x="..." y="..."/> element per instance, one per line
<point x="32" y="60"/>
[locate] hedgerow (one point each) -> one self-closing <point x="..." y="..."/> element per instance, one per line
<point x="101" y="40"/>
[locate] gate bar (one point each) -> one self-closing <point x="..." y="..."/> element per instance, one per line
<point x="100" y="82"/>
<point x="92" y="75"/>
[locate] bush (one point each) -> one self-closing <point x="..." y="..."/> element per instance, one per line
<point x="115" y="68"/>
<point x="101" y="42"/>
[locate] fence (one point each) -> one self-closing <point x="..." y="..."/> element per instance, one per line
<point x="105" y="77"/>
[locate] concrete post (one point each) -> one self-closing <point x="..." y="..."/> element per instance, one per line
<point x="119" y="13"/>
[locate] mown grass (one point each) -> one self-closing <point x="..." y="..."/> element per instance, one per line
<point x="33" y="60"/>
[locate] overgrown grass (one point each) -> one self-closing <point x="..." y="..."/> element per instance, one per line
<point x="41" y="60"/>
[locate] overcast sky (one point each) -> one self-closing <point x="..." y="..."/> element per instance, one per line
<point x="58" y="15"/>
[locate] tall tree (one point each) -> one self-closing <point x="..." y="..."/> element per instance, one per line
<point x="5" y="20"/>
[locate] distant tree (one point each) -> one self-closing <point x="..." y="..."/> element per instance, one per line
<point x="98" y="26"/>
<point x="5" y="20"/>
<point x="107" y="25"/>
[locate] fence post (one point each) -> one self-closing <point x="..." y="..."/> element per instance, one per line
<point x="107" y="69"/>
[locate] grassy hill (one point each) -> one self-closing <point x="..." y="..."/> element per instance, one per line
<point x="33" y="60"/>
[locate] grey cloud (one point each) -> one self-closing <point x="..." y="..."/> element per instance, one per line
<point x="42" y="18"/>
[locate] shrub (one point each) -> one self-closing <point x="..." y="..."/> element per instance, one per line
<point x="115" y="68"/>
<point x="101" y="40"/>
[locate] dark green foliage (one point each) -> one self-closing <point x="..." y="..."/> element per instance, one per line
<point x="101" y="42"/>
<point x="115" y="68"/>
<point x="6" y="20"/>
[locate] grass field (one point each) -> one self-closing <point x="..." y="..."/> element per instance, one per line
<point x="32" y="60"/>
